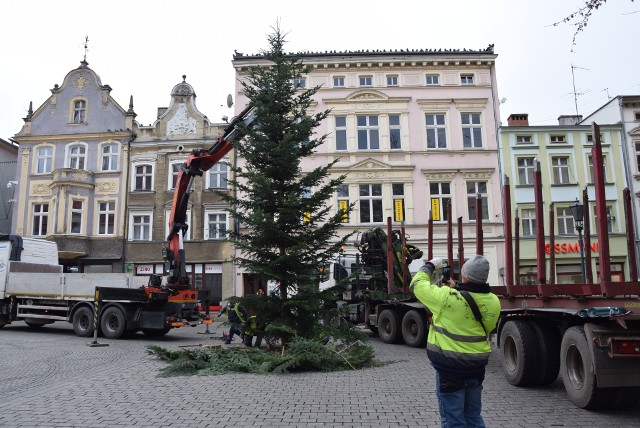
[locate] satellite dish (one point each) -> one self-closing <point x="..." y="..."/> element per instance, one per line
<point x="229" y="101"/>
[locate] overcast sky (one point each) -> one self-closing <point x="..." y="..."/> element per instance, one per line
<point x="143" y="47"/>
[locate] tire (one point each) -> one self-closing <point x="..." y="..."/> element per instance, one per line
<point x="549" y="344"/>
<point x="414" y="329"/>
<point x="83" y="322"/>
<point x="520" y="354"/>
<point x="576" y="368"/>
<point x="113" y="323"/>
<point x="155" y="332"/>
<point x="34" y="324"/>
<point x="389" y="326"/>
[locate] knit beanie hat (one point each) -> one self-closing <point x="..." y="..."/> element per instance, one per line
<point x="476" y="269"/>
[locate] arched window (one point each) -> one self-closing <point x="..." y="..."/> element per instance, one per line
<point x="76" y="155"/>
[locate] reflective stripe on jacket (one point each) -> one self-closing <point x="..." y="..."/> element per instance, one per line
<point x="457" y="343"/>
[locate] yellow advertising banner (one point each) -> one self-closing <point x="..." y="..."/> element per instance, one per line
<point x="398" y="207"/>
<point x="435" y="209"/>
<point x="343" y="205"/>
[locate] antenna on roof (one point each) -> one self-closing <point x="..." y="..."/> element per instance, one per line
<point x="575" y="94"/>
<point x="86" y="47"/>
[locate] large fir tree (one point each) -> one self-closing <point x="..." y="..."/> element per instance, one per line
<point x="288" y="229"/>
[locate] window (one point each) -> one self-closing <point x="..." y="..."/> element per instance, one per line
<point x="370" y="203"/>
<point x="560" y="168"/>
<point x="471" y="130"/>
<point x="76" y="154"/>
<point x="523" y="139"/>
<point x="397" y="191"/>
<point x="140" y="229"/>
<point x="590" y="138"/>
<point x="299" y="83"/>
<point x="473" y="188"/>
<point x="440" y="200"/>
<point x="610" y="219"/>
<point x="528" y="219"/>
<point x="44" y="159"/>
<point x="342" y="192"/>
<point x="394" y="131"/>
<point x="40" y="219"/>
<point x="106" y="217"/>
<point x="341" y="132"/>
<point x="366" y="81"/>
<point x="109" y="157"/>
<point x="174" y="169"/>
<point x="76" y="216"/>
<point x="565" y="221"/>
<point x="637" y="144"/>
<point x="604" y="169"/>
<point x="338" y="81"/>
<point x="392" y="80"/>
<point x="436" y="131"/>
<point x="637" y="116"/>
<point x="466" y="79"/>
<point x="433" y="80"/>
<point x="167" y="216"/>
<point x="215" y="226"/>
<point x="368" y="133"/>
<point x="143" y="177"/>
<point x="79" y="111"/>
<point x="217" y="176"/>
<point x="557" y="139"/>
<point x="525" y="171"/>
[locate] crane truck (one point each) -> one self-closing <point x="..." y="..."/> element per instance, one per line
<point x="34" y="289"/>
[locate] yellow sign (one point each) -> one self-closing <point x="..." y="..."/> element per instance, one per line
<point x="307" y="217"/>
<point x="398" y="206"/>
<point x="343" y="207"/>
<point x="435" y="209"/>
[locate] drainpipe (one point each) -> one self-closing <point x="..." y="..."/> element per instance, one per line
<point x="126" y="202"/>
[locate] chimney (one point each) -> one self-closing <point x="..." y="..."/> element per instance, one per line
<point x="520" y="119"/>
<point x="569" y="119"/>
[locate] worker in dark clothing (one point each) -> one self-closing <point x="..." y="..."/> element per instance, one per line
<point x="237" y="317"/>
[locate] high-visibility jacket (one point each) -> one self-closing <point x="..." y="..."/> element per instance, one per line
<point x="457" y="344"/>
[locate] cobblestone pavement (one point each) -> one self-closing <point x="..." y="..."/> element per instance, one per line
<point x="51" y="378"/>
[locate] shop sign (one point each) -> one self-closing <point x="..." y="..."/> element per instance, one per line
<point x="144" y="269"/>
<point x="569" y="248"/>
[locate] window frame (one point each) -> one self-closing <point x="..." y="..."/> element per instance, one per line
<point x="74" y="212"/>
<point x="564" y="218"/>
<point x="341" y="130"/>
<point x="590" y="168"/>
<point x="444" y="198"/>
<point x="134" y="176"/>
<point x="529" y="139"/>
<point x="339" y="79"/>
<point x="216" y="170"/>
<point x="167" y="215"/>
<point x="472" y="127"/>
<point x="374" y="202"/>
<point x="40" y="219"/>
<point x="81" y="158"/>
<point x="439" y="130"/>
<point x="365" y="78"/>
<point x="528" y="223"/>
<point x="109" y="217"/>
<point x="47" y="161"/>
<point x="76" y="111"/>
<point x="390" y="80"/>
<point x="467" y="79"/>
<point x="172" y="173"/>
<point x="528" y="170"/>
<point x="368" y="130"/>
<point x="559" y="170"/>
<point x="432" y="77"/>
<point x="560" y="139"/>
<point x="343" y="201"/>
<point x="111" y="157"/>
<point x="483" y="195"/>
<point x="144" y="226"/>
<point x="395" y="130"/>
<point x="299" y="83"/>
<point x="207" y="224"/>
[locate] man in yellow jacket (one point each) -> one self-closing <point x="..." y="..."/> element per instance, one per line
<point x="457" y="345"/>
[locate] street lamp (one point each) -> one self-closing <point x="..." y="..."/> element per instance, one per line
<point x="577" y="210"/>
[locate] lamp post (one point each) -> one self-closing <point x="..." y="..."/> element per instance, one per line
<point x="577" y="210"/>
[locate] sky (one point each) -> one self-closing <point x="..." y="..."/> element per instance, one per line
<point x="143" y="47"/>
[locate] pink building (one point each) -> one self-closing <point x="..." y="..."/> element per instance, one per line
<point x="414" y="131"/>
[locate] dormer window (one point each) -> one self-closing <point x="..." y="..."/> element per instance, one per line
<point x="79" y="111"/>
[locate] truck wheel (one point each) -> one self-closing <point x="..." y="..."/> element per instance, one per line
<point x="155" y="332"/>
<point x="414" y="329"/>
<point x="549" y="343"/>
<point x="576" y="368"/>
<point x="520" y="354"/>
<point x="113" y="323"/>
<point x="83" y="322"/>
<point x="389" y="326"/>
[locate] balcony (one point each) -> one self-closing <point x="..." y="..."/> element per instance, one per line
<point x="73" y="177"/>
